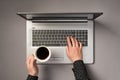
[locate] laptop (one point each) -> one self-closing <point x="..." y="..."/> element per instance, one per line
<point x="52" y="29"/>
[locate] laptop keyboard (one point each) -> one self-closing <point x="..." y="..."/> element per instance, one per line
<point x="58" y="37"/>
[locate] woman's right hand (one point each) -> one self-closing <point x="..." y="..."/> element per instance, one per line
<point x="74" y="49"/>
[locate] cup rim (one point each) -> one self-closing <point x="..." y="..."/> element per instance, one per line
<point x="44" y="59"/>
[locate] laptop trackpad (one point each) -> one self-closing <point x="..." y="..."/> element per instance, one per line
<point x="57" y="52"/>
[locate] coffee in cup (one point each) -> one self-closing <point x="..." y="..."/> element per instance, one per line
<point x="43" y="54"/>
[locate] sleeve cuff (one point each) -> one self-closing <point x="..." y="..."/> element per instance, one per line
<point x="30" y="77"/>
<point x="78" y="64"/>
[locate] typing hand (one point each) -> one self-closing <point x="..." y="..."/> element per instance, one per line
<point x="32" y="66"/>
<point x="74" y="49"/>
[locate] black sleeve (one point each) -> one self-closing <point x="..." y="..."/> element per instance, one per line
<point x="80" y="71"/>
<point x="32" y="77"/>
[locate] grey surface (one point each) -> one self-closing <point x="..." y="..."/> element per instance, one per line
<point x="12" y="38"/>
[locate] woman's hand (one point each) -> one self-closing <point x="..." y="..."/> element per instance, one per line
<point x="32" y="66"/>
<point x="74" y="49"/>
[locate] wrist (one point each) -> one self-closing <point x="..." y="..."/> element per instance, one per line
<point x="77" y="59"/>
<point x="33" y="74"/>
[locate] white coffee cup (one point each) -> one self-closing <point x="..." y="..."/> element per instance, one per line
<point x="42" y="54"/>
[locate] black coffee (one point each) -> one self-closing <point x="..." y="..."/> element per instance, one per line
<point x="42" y="53"/>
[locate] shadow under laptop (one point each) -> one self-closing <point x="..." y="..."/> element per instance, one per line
<point x="103" y="27"/>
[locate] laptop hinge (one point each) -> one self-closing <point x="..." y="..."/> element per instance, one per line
<point x="59" y="21"/>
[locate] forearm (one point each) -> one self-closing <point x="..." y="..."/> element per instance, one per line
<point x="29" y="77"/>
<point x="80" y="71"/>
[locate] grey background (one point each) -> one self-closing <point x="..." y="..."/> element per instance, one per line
<point x="13" y="38"/>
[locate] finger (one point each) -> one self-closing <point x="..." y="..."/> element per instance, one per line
<point x="35" y="62"/>
<point x="32" y="56"/>
<point x="28" y="62"/>
<point x="76" y="43"/>
<point x="32" y="60"/>
<point x="73" y="41"/>
<point x="68" y="41"/>
<point x="80" y="45"/>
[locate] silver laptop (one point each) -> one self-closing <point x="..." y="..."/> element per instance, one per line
<point x="51" y="30"/>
